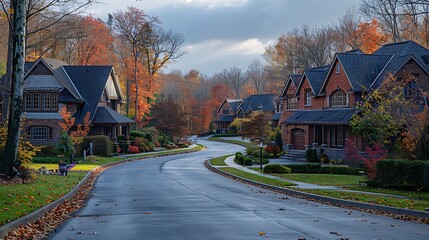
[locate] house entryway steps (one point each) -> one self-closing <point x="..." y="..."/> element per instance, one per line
<point x="295" y="155"/>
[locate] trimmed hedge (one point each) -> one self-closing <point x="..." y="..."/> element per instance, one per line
<point x="264" y="161"/>
<point x="305" y="168"/>
<point x="276" y="168"/>
<point x="241" y="159"/>
<point x="102" y="145"/>
<point x="403" y="174"/>
<point x="319" y="169"/>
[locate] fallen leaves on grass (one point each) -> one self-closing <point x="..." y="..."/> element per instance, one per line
<point x="53" y="218"/>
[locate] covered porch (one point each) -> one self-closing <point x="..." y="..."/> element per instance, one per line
<point x="110" y="123"/>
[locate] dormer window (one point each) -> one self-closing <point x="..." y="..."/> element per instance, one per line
<point x="412" y="90"/>
<point x="338" y="99"/>
<point x="225" y="111"/>
<point x="337" y="68"/>
<point x="307" y="97"/>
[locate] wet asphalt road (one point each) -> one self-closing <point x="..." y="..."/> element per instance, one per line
<point x="176" y="197"/>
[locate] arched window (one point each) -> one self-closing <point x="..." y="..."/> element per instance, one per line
<point x="338" y="99"/>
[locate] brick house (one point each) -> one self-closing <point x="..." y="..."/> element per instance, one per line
<point x="317" y="109"/>
<point x="225" y="114"/>
<point x="50" y="85"/>
<point x="232" y="108"/>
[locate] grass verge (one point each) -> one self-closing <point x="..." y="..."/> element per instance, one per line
<point x="238" y="142"/>
<point x="256" y="178"/>
<point x="324" y="179"/>
<point x="17" y="200"/>
<point x="412" y="204"/>
<point x="219" y="161"/>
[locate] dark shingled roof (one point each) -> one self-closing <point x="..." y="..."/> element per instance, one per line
<point x="234" y="104"/>
<point x="362" y="69"/>
<point x="106" y="115"/>
<point x="326" y="116"/>
<point x="295" y="78"/>
<point x="268" y="102"/>
<point x="276" y="116"/>
<point x="315" y="77"/>
<point x="90" y="80"/>
<point x="226" y="118"/>
<point x="402" y="52"/>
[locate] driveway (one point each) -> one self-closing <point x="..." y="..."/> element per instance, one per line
<point x="176" y="197"/>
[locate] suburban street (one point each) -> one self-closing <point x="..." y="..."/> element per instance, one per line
<point x="176" y="197"/>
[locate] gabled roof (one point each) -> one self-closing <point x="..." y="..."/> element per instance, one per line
<point x="56" y="67"/>
<point x="315" y="77"/>
<point x="292" y="79"/>
<point x="362" y="69"/>
<point x="336" y="116"/>
<point x="402" y="52"/>
<point x="268" y="102"/>
<point x="91" y="81"/>
<point x="106" y="115"/>
<point x="233" y="103"/>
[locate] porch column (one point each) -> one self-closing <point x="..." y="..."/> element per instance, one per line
<point x="114" y="135"/>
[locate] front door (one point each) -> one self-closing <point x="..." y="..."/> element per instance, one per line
<point x="298" y="138"/>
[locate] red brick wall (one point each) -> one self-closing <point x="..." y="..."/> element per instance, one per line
<point x="340" y="81"/>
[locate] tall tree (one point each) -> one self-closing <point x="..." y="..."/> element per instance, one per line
<point x="168" y="119"/>
<point x="135" y="29"/>
<point x="18" y="30"/>
<point x="234" y="78"/>
<point x="256" y="75"/>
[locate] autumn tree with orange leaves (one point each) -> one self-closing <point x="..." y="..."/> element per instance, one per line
<point x="69" y="121"/>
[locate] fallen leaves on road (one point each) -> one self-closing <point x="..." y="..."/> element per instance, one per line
<point x="262" y="233"/>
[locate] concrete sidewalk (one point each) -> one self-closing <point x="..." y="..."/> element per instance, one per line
<point x="300" y="185"/>
<point x="230" y="162"/>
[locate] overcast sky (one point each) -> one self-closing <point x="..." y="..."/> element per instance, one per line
<point x="223" y="33"/>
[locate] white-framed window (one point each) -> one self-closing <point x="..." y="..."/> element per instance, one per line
<point x="40" y="101"/>
<point x="307" y="97"/>
<point x="292" y="103"/>
<point x="337" y="68"/>
<point x="39" y="133"/>
<point x="225" y="111"/>
<point x="338" y="99"/>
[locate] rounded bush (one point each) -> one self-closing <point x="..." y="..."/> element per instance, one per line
<point x="272" y="148"/>
<point x="257" y="153"/>
<point x="133" y="149"/>
<point x="276" y="168"/>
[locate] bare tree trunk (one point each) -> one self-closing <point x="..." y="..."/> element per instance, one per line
<point x="6" y="79"/>
<point x="15" y="109"/>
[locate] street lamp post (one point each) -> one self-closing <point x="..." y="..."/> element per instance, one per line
<point x="260" y="159"/>
<point x="260" y="108"/>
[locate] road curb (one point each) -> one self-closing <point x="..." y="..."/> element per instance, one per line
<point x="367" y="207"/>
<point x="36" y="214"/>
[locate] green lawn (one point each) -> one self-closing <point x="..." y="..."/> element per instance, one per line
<point x="380" y="200"/>
<point x="256" y="178"/>
<point x="238" y="142"/>
<point x="418" y="195"/>
<point x="52" y="166"/>
<point x="219" y="161"/>
<point x="324" y="179"/>
<point x="17" y="200"/>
